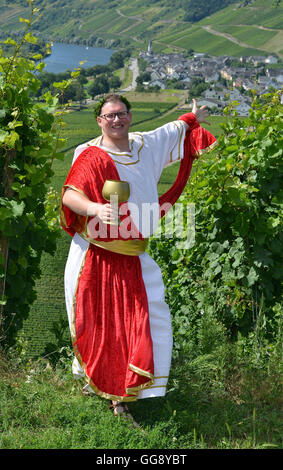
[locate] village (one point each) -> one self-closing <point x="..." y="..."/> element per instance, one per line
<point x="226" y="78"/>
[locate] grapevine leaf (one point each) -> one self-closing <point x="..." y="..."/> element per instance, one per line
<point x="252" y="277"/>
<point x="30" y="38"/>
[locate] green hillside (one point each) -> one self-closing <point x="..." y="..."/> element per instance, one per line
<point x="250" y="30"/>
<point x="250" y="27"/>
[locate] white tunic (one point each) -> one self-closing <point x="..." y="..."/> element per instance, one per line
<point x="149" y="153"/>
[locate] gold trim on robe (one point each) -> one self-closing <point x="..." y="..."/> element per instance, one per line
<point x="97" y="142"/>
<point x="134" y="247"/>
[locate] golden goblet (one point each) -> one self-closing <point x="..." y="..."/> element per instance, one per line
<point x="116" y="190"/>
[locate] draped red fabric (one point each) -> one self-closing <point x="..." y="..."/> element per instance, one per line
<point x="197" y="139"/>
<point x="87" y="175"/>
<point x="111" y="334"/>
<point x="112" y="324"/>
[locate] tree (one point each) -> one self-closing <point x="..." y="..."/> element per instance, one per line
<point x="116" y="61"/>
<point x="115" y="82"/>
<point x="94" y="89"/>
<point x="197" y="87"/>
<point x="96" y="70"/>
<point x="143" y="77"/>
<point x="103" y="83"/>
<point x="100" y="85"/>
<point x="195" y="10"/>
<point x="29" y="143"/>
<point x="174" y="83"/>
<point x="74" y="92"/>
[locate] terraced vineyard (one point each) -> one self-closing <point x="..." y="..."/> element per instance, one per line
<point x="252" y="29"/>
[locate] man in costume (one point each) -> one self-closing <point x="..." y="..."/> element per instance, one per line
<point x="120" y="323"/>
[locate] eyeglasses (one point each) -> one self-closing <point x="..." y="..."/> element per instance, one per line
<point x="111" y="116"/>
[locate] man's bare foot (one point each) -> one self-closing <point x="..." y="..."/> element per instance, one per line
<point x="119" y="408"/>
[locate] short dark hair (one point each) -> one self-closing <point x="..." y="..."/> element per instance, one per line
<point x="111" y="98"/>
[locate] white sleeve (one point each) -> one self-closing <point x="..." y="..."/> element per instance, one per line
<point x="165" y="145"/>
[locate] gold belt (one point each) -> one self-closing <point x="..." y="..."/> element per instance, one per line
<point x="134" y="247"/>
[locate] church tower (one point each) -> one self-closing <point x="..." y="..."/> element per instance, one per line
<point x="149" y="49"/>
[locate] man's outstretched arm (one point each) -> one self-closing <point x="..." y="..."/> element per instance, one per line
<point x="201" y="114"/>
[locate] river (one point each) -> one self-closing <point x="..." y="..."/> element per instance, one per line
<point x="68" y="56"/>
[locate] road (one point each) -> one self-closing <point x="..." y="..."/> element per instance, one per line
<point x="135" y="70"/>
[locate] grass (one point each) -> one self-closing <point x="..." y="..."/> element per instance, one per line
<point x="205" y="408"/>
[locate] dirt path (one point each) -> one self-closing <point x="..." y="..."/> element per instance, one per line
<point x="137" y="18"/>
<point x="229" y="37"/>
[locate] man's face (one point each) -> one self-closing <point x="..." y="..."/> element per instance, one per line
<point x="116" y="128"/>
